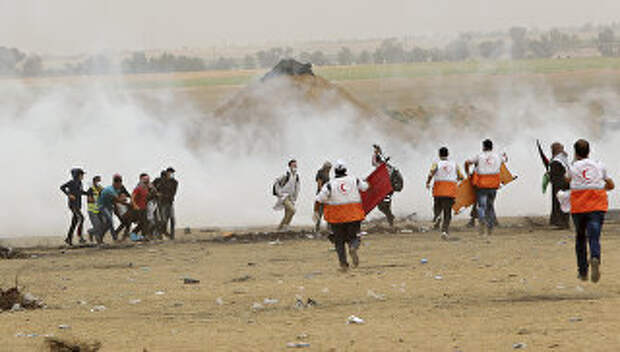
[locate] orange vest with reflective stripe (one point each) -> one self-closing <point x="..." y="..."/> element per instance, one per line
<point x="488" y="166"/>
<point x="446" y="178"/>
<point x="345" y="202"/>
<point x="587" y="185"/>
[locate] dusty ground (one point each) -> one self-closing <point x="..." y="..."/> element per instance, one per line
<point x="520" y="287"/>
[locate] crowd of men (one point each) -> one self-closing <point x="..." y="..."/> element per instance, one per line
<point x="150" y="207"/>
<point x="582" y="185"/>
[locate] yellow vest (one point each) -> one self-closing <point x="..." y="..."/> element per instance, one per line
<point x="93" y="207"/>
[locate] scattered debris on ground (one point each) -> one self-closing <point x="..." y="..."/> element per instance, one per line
<point x="11" y="253"/>
<point x="59" y="345"/>
<point x="242" y="278"/>
<point x="13" y="300"/>
<point x="355" y="320"/>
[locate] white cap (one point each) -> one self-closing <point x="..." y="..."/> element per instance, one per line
<point x="340" y="165"/>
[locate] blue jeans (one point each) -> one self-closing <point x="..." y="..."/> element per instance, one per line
<point x="588" y="228"/>
<point x="108" y="217"/>
<point x="485" y="198"/>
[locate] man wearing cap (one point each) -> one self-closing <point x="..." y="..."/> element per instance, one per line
<point x="107" y="199"/>
<point x="74" y="191"/>
<point x="344" y="212"/>
<point x="167" y="187"/>
<point x="322" y="178"/>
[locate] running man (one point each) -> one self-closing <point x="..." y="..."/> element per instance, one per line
<point x="589" y="184"/>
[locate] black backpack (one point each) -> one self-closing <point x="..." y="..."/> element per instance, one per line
<point x="396" y="178"/>
<point x="281" y="183"/>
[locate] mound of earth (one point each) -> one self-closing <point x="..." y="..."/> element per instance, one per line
<point x="290" y="88"/>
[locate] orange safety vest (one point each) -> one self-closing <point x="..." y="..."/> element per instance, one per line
<point x="446" y="177"/>
<point x="587" y="185"/>
<point x="345" y="202"/>
<point x="588" y="200"/>
<point x="341" y="213"/>
<point x="487" y="181"/>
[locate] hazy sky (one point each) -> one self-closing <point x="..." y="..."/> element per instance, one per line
<point x="72" y="26"/>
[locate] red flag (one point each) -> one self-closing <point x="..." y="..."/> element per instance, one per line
<point x="380" y="187"/>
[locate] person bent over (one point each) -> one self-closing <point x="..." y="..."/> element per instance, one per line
<point x="589" y="184"/>
<point x="344" y="212"/>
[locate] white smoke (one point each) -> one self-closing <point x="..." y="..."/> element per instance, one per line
<point x="225" y="179"/>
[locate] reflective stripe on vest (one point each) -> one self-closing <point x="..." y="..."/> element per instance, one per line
<point x="341" y="213"/>
<point x="444" y="189"/>
<point x="588" y="200"/>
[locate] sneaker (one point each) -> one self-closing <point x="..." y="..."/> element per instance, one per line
<point x="583" y="277"/>
<point x="68" y="242"/>
<point x="82" y="240"/>
<point x="444" y="236"/>
<point x="354" y="258"/>
<point x="344" y="268"/>
<point x="437" y="224"/>
<point x="596" y="274"/>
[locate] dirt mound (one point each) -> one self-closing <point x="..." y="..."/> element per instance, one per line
<point x="289" y="67"/>
<point x="303" y="93"/>
<point x="13" y="299"/>
<point x="57" y="345"/>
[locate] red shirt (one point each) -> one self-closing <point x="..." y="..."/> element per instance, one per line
<point x="139" y="196"/>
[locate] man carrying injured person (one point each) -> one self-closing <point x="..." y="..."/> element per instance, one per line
<point x="344" y="212"/>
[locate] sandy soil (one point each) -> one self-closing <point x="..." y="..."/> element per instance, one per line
<point x="519" y="287"/>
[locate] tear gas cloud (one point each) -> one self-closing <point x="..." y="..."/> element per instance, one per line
<point x="226" y="174"/>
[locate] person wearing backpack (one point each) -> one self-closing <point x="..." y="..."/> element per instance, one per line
<point x="286" y="189"/>
<point x="395" y="178"/>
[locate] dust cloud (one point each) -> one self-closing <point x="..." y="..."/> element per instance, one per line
<point x="226" y="167"/>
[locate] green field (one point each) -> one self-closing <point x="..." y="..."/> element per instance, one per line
<point x="413" y="70"/>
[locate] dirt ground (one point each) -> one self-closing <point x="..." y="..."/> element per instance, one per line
<point x="520" y="286"/>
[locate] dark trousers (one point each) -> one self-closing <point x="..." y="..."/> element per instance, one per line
<point x="386" y="208"/>
<point x="77" y="220"/>
<point x="143" y="225"/>
<point x="588" y="229"/>
<point x="166" y="214"/>
<point x="443" y="205"/>
<point x="346" y="233"/>
<point x="558" y="217"/>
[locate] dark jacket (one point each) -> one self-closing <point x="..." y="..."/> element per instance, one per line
<point x="74" y="187"/>
<point x="167" y="188"/>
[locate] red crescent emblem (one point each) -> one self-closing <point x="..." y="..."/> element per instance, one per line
<point x="584" y="174"/>
<point x="342" y="188"/>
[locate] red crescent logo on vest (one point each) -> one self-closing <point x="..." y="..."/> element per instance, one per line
<point x="489" y="161"/>
<point x="584" y="174"/>
<point x="447" y="168"/>
<point x="343" y="188"/>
